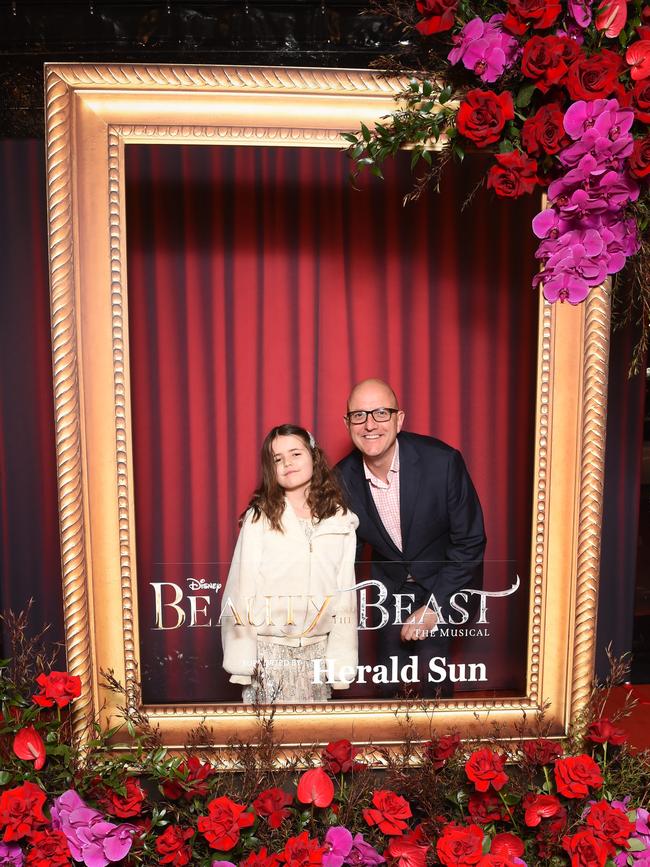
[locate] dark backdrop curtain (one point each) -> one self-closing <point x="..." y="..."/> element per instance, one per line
<point x="29" y="557"/>
<point x="261" y="287"/>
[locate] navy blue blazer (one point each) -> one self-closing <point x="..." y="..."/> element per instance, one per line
<point x="443" y="537"/>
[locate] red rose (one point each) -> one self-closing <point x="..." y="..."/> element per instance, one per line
<point x="192" y="783"/>
<point x="302" y="850"/>
<point x="49" y="849"/>
<point x="272" y="805"/>
<point x="641" y="100"/>
<point x="538" y="807"/>
<point x="575" y="775"/>
<point x="28" y="745"/>
<point x="439" y="15"/>
<point x="459" y="846"/>
<point x="123" y="806"/>
<point x="171" y="846"/>
<point x="390" y="813"/>
<point x="553" y="827"/>
<point x="569" y="49"/>
<point x="640" y="167"/>
<point x="507" y="846"/>
<point x="21" y="811"/>
<point x="438" y="750"/>
<point x="594" y="77"/>
<point x="57" y="687"/>
<point x="260" y="859"/>
<point x="609" y="824"/>
<point x="538" y="13"/>
<point x="603" y="732"/>
<point x="542" y="61"/>
<point x="482" y="116"/>
<point x="315" y="787"/>
<point x="338" y="757"/>
<point x="223" y="823"/>
<point x="585" y="850"/>
<point x="485" y="768"/>
<point x="484" y="807"/>
<point x="541" y="751"/>
<point x="407" y="853"/>
<point x="514" y="175"/>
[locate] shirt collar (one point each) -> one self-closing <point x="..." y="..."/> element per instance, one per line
<point x="394" y="468"/>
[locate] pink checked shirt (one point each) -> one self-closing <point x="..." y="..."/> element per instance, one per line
<point x="386" y="497"/>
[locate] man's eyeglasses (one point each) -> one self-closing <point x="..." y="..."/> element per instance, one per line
<point x="360" y="416"/>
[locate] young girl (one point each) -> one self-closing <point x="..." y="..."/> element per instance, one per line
<point x="289" y="622"/>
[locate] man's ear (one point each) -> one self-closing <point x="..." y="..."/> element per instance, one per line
<point x="400" y="420"/>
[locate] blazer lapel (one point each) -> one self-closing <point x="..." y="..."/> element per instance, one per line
<point x="409" y="484"/>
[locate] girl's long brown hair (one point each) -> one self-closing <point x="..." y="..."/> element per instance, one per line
<point x="324" y="496"/>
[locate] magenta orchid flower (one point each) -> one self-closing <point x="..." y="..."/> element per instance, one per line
<point x="91" y="838"/>
<point x="11" y="855"/>
<point x="339" y="841"/>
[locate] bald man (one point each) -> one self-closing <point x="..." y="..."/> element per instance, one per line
<point x="420" y="514"/>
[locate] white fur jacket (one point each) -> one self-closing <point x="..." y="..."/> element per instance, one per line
<point x="293" y="589"/>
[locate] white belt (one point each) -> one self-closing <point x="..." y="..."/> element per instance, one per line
<point x="301" y="641"/>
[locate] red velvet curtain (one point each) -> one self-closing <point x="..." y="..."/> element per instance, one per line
<point x="261" y="287"/>
<point x="458" y="368"/>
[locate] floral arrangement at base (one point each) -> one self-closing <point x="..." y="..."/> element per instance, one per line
<point x="583" y="801"/>
<point x="559" y="92"/>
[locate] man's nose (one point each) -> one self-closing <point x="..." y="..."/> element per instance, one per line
<point x="370" y="424"/>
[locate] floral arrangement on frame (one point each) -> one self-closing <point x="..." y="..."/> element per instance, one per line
<point x="536" y="801"/>
<point x="559" y="92"/>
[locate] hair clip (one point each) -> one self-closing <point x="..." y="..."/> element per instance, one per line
<point x="312" y="441"/>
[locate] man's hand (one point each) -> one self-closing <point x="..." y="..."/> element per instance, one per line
<point x="419" y="624"/>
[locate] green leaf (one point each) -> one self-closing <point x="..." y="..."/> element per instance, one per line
<point x="635" y="845"/>
<point x="426" y="156"/>
<point x="445" y="94"/>
<point x="510" y="798"/>
<point x="427" y="89"/>
<point x="505" y="146"/>
<point x="487" y="841"/>
<point x="415" y="158"/>
<point x="365" y="132"/>
<point x="349" y="136"/>
<point x="523" y="98"/>
<point x="458" y="151"/>
<point x="5" y="776"/>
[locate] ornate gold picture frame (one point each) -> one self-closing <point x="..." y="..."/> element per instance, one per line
<point x="92" y="112"/>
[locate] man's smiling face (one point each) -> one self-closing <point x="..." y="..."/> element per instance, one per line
<point x="374" y="439"/>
